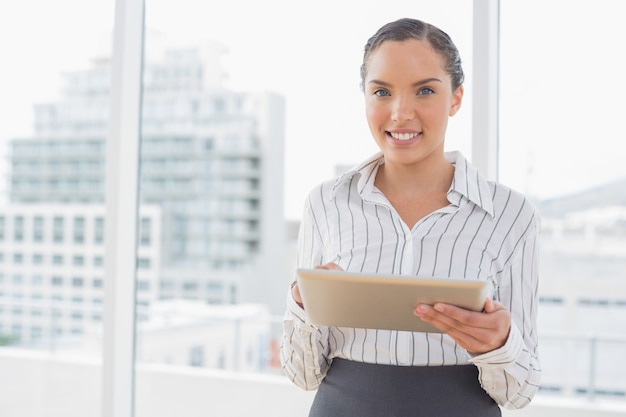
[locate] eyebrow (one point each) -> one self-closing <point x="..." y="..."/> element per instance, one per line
<point x="415" y="84"/>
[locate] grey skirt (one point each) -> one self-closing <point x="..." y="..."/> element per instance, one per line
<point x="357" y="389"/>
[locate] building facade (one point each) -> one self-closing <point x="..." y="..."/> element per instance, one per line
<point x="52" y="269"/>
<point x="210" y="222"/>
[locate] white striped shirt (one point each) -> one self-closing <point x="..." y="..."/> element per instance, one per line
<point x="488" y="231"/>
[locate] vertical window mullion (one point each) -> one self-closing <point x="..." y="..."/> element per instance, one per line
<point x="485" y="88"/>
<point x="121" y="211"/>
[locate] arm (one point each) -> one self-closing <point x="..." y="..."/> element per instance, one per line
<point x="304" y="346"/>
<point x="512" y="373"/>
<point x="501" y="340"/>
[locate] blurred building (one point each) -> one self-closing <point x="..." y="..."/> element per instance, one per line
<point x="582" y="314"/>
<point x="211" y="224"/>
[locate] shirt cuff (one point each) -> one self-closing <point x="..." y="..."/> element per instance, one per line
<point x="503" y="356"/>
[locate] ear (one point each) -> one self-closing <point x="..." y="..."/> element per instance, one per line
<point x="457" y="99"/>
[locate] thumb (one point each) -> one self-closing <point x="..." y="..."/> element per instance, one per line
<point x="489" y="306"/>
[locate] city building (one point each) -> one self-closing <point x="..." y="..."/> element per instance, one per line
<point x="582" y="315"/>
<point x="52" y="269"/>
<point x="211" y="224"/>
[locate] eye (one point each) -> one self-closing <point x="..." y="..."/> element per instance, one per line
<point x="381" y="93"/>
<point x="425" y="91"/>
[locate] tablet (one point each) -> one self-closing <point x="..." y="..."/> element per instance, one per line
<point x="375" y="301"/>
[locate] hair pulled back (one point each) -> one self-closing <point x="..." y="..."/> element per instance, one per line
<point x="407" y="28"/>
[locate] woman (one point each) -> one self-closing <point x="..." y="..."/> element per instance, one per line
<point x="414" y="209"/>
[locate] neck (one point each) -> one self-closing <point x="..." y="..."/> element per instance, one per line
<point x="424" y="178"/>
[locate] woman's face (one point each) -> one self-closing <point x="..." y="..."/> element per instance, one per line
<point x="408" y="99"/>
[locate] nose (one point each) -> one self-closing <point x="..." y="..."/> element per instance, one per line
<point x="402" y="109"/>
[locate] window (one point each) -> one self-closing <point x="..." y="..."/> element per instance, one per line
<point x="582" y="209"/>
<point x="36" y="332"/>
<point x="143" y="263"/>
<point x="145" y="232"/>
<point x="18" y="228"/>
<point x="38" y="229"/>
<point x="99" y="230"/>
<point x="196" y="356"/>
<point x="345" y="121"/>
<point x="79" y="230"/>
<point x="78" y="260"/>
<point x="57" y="229"/>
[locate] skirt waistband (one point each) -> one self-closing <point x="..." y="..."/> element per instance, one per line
<point x="368" y="390"/>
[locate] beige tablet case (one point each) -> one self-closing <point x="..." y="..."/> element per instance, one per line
<point x="373" y="301"/>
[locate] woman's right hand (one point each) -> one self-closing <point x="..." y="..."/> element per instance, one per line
<point x="295" y="291"/>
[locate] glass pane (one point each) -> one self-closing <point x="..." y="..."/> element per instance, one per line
<point x="247" y="105"/>
<point x="561" y="114"/>
<point x="55" y="113"/>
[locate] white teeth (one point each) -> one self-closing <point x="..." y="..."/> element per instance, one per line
<point x="403" y="136"/>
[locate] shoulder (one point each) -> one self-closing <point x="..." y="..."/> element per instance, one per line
<point x="322" y="192"/>
<point x="513" y="207"/>
<point x="355" y="180"/>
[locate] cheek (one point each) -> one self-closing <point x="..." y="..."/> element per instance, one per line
<point x="375" y="114"/>
<point x="436" y="115"/>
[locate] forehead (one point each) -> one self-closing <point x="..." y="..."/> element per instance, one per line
<point x="412" y="58"/>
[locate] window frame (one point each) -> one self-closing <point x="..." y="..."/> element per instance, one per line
<point x="118" y="378"/>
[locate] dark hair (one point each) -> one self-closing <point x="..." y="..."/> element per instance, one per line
<point x="405" y="29"/>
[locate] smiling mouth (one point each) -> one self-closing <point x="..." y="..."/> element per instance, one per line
<point x="404" y="136"/>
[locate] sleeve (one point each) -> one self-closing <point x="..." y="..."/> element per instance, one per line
<point x="511" y="374"/>
<point x="304" y="346"/>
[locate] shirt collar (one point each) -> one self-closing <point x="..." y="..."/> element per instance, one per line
<point x="467" y="184"/>
<point x="366" y="171"/>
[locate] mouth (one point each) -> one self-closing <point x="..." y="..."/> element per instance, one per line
<point x="404" y="136"/>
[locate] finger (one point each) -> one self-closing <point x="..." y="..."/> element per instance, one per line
<point x="329" y="265"/>
<point x="497" y="305"/>
<point x="461" y="316"/>
<point x="295" y="292"/>
<point x="492" y="305"/>
<point x="469" y="338"/>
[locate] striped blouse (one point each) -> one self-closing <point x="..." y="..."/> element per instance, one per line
<point x="488" y="232"/>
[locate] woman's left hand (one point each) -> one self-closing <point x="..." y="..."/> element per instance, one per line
<point x="476" y="332"/>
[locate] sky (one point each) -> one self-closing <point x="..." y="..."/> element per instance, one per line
<point x="561" y="99"/>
